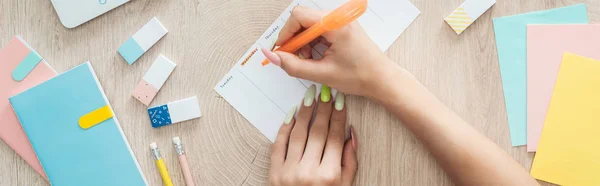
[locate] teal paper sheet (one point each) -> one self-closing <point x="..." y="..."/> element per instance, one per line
<point x="511" y="42"/>
<point x="70" y="155"/>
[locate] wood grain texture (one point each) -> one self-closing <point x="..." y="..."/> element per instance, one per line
<point x="208" y="36"/>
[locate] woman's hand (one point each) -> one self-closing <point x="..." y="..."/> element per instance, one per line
<point x="353" y="63"/>
<point x="305" y="154"/>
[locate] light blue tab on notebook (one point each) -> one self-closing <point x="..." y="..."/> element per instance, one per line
<point x="26" y="66"/>
<point x="69" y="154"/>
<point x="511" y="41"/>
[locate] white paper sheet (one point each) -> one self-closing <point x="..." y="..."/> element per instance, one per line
<point x="263" y="94"/>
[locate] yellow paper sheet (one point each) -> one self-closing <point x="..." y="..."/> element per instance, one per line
<point x="569" y="149"/>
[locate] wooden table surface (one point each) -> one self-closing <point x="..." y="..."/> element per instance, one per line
<point x="206" y="38"/>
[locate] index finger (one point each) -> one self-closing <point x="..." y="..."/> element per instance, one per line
<point x="302" y="17"/>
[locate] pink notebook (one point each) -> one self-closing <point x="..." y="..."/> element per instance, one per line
<point x="20" y="69"/>
<point x="546" y="45"/>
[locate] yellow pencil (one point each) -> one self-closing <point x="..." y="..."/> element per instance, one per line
<point x="160" y="164"/>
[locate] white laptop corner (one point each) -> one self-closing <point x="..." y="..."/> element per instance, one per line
<point x="73" y="13"/>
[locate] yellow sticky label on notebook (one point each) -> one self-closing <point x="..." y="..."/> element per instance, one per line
<point x="95" y="117"/>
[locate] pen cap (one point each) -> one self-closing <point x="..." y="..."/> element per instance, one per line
<point x="345" y="14"/>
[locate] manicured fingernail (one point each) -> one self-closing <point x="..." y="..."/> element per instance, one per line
<point x="339" y="101"/>
<point x="271" y="56"/>
<point x="325" y="93"/>
<point x="290" y="115"/>
<point x="353" y="137"/>
<point x="309" y="97"/>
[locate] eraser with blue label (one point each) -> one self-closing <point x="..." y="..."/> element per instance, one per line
<point x="142" y="40"/>
<point x="174" y="112"/>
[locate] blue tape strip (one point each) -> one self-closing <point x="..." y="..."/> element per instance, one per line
<point x="131" y="51"/>
<point x="159" y="116"/>
<point x="26" y="66"/>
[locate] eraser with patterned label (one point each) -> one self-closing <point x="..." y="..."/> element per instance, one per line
<point x="174" y="112"/>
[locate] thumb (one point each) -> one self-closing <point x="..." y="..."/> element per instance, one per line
<point x="349" y="163"/>
<point x="309" y="69"/>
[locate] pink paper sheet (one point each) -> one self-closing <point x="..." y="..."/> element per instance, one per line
<point x="10" y="128"/>
<point x="546" y="45"/>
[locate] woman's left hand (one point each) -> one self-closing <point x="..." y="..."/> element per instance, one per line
<point x="315" y="155"/>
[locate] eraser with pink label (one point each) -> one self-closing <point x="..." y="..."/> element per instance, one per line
<point x="153" y="80"/>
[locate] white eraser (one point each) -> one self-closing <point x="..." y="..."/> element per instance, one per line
<point x="174" y="112"/>
<point x="159" y="72"/>
<point x="467" y="13"/>
<point x="153" y="145"/>
<point x="176" y="140"/>
<point x="142" y="40"/>
<point x="153" y="80"/>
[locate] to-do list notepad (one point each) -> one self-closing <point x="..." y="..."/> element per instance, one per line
<point x="263" y="95"/>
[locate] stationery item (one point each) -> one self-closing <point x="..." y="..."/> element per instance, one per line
<point x="511" y="42"/>
<point x="338" y="18"/>
<point x="545" y="47"/>
<point x="95" y="117"/>
<point x="18" y="59"/>
<point x="153" y="80"/>
<point x="568" y="152"/>
<point x="73" y="13"/>
<point x="185" y="167"/>
<point x="142" y="40"/>
<point x="51" y="115"/>
<point x="467" y="13"/>
<point x="160" y="164"/>
<point x="174" y="112"/>
<point x="264" y="94"/>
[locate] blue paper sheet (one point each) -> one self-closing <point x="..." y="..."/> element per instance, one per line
<point x="70" y="155"/>
<point x="511" y="41"/>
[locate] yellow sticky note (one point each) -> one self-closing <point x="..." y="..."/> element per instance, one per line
<point x="95" y="117"/>
<point x="569" y="148"/>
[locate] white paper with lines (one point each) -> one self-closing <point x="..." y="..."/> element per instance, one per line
<point x="263" y="95"/>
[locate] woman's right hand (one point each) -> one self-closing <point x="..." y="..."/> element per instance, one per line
<point x="353" y="64"/>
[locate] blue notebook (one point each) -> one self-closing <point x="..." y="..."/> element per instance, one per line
<point x="74" y="132"/>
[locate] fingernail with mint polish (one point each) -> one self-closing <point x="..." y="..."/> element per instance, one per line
<point x="309" y="96"/>
<point x="340" y="99"/>
<point x="290" y="115"/>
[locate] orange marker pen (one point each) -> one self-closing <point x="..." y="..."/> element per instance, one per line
<point x="338" y="18"/>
